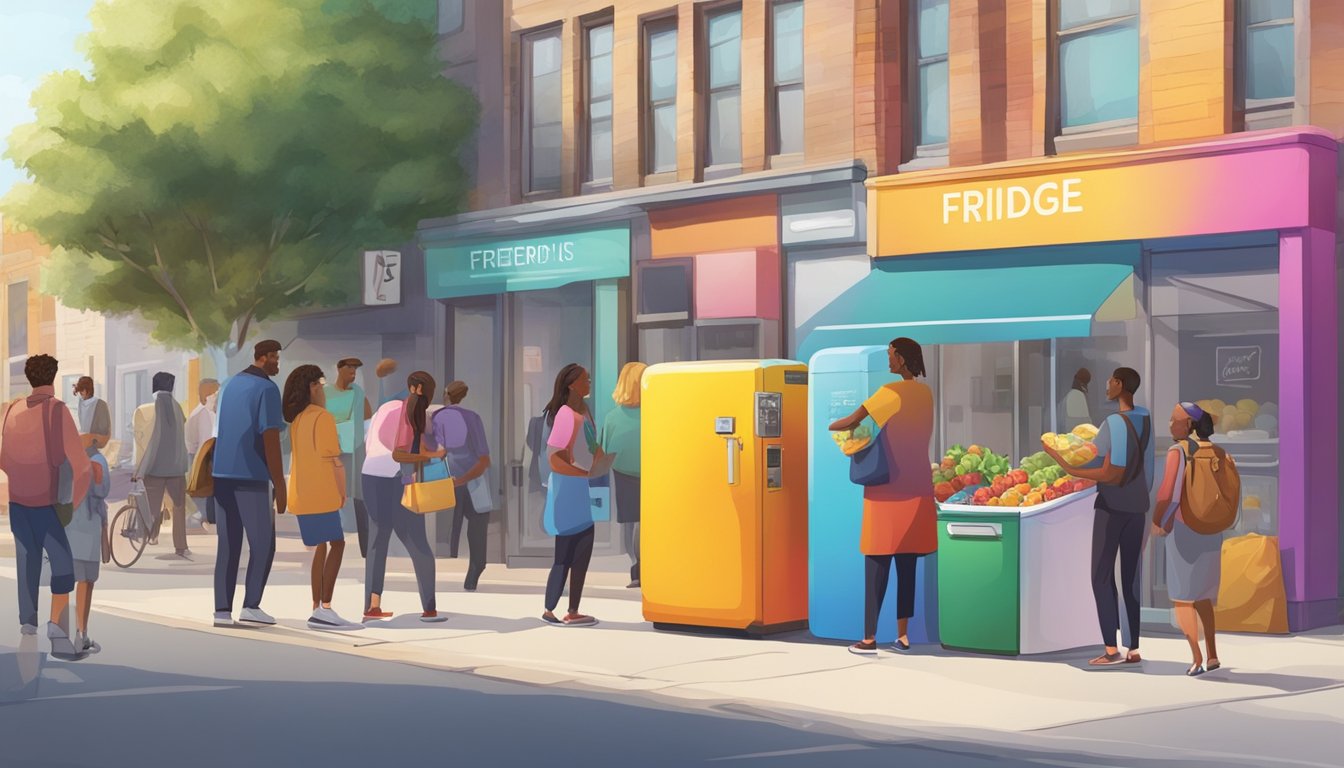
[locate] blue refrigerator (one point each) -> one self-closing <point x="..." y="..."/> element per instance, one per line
<point x="839" y="380"/>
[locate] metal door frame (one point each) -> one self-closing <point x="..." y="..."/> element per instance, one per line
<point x="515" y="495"/>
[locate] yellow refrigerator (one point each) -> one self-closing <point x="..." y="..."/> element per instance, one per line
<point x="724" y="495"/>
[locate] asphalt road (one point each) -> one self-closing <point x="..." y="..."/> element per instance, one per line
<point x="163" y="696"/>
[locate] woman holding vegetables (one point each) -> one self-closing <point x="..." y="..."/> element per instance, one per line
<point x="900" y="519"/>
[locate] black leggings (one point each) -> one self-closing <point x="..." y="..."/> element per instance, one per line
<point x="572" y="555"/>
<point x="879" y="571"/>
<point x="1117" y="533"/>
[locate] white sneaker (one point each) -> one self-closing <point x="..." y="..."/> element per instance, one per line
<point x="61" y="647"/>
<point x="223" y="619"/>
<point x="86" y="644"/>
<point x="256" y="616"/>
<point x="326" y="618"/>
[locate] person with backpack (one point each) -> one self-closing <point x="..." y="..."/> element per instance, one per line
<point x="461" y="432"/>
<point x="1198" y="500"/>
<point x="38" y="438"/>
<point x="1123" y="471"/>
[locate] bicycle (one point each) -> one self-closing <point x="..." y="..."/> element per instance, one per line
<point x="130" y="529"/>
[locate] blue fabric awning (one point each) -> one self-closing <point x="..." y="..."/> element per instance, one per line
<point x="968" y="305"/>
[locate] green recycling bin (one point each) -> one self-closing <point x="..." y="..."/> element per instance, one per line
<point x="1017" y="580"/>
<point x="978" y="580"/>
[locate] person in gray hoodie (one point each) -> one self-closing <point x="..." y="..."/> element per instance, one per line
<point x="164" y="465"/>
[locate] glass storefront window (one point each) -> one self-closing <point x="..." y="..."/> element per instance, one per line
<point x="976" y="385"/>
<point x="1216" y="342"/>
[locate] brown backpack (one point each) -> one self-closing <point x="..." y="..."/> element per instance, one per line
<point x="1212" y="492"/>
<point x="200" y="476"/>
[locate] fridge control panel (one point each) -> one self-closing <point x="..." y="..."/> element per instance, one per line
<point x="774" y="466"/>
<point x="725" y="425"/>
<point x="769" y="416"/>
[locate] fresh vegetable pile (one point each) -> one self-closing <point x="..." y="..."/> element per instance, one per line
<point x="979" y="477"/>
<point x="1013" y="490"/>
<point x="966" y="468"/>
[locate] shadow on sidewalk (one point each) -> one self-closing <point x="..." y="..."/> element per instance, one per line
<point x="410" y="714"/>
<point x="1279" y="682"/>
<point x="474" y="622"/>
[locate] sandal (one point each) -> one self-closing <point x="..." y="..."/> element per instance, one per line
<point x="1195" y="670"/>
<point x="1213" y="664"/>
<point x="550" y="618"/>
<point x="1107" y="660"/>
<point x="863" y="649"/>
<point x="1133" y="657"/>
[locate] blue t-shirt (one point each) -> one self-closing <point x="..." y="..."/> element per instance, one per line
<point x="1113" y="440"/>
<point x="249" y="406"/>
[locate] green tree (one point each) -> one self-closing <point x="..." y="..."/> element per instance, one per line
<point x="225" y="162"/>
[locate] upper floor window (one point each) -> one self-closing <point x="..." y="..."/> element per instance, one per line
<point x="1267" y="58"/>
<point x="542" y="111"/>
<point x="599" y="41"/>
<point x="451" y="18"/>
<point x="928" y="45"/>
<point x="724" y="96"/>
<point x="660" y="88"/>
<point x="787" y="74"/>
<point x="1098" y="64"/>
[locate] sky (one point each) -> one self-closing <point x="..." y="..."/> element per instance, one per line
<point x="36" y="37"/>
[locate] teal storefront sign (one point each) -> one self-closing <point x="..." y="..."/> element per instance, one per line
<point x="480" y="267"/>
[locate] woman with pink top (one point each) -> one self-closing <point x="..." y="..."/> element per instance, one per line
<point x="397" y="428"/>
<point x="572" y="450"/>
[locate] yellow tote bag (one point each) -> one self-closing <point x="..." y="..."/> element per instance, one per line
<point x="1251" y="597"/>
<point x="424" y="498"/>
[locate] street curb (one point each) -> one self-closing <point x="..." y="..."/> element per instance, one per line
<point x="655" y="693"/>
<point x="871" y="730"/>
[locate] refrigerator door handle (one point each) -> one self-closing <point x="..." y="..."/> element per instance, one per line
<point x="975" y="530"/>
<point x="734" y="446"/>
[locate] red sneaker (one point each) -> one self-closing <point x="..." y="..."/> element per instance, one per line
<point x="376" y="614"/>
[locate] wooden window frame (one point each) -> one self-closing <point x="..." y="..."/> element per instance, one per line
<point x="704" y="14"/>
<point x="648" y="26"/>
<point x="1264" y="113"/>
<point x="918" y="155"/>
<point x="1107" y="134"/>
<point x="775" y="86"/>
<point x="525" y="83"/>
<point x="583" y="112"/>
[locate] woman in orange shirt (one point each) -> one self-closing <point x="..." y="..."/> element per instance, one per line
<point x="900" y="519"/>
<point x="317" y="487"/>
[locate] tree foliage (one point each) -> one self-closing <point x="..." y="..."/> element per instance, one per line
<point x="225" y="162"/>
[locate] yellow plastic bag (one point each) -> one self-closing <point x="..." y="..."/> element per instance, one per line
<point x="1251" y="597"/>
<point x="424" y="497"/>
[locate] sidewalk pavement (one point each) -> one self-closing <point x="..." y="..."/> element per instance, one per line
<point x="496" y="632"/>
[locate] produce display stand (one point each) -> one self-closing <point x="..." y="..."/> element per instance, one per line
<point x="1017" y="580"/>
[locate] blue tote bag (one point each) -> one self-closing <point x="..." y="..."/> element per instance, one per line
<point x="869" y="464"/>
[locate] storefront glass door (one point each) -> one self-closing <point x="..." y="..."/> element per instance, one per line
<point x="549" y="329"/>
<point x="477" y="360"/>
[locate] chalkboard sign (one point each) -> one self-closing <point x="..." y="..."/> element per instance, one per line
<point x="1238" y="364"/>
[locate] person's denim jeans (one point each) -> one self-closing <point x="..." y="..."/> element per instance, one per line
<point x="37" y="530"/>
<point x="386" y="517"/>
<point x="243" y="508"/>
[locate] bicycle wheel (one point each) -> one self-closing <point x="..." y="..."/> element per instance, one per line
<point x="128" y="536"/>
